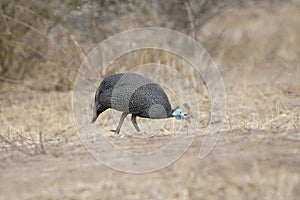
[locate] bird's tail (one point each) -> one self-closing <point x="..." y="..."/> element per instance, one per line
<point x="94" y="119"/>
<point x="98" y="109"/>
<point x="95" y="116"/>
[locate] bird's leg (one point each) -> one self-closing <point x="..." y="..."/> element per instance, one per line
<point x="124" y="114"/>
<point x="133" y="119"/>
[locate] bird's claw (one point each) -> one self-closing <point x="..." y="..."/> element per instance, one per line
<point x="115" y="131"/>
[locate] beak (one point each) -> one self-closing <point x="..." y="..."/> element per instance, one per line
<point x="187" y="114"/>
<point x="187" y="117"/>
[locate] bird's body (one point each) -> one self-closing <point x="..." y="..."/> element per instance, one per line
<point x="132" y="94"/>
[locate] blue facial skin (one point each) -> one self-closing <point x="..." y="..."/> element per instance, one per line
<point x="177" y="113"/>
<point x="178" y="117"/>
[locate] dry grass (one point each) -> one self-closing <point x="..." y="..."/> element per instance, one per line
<point x="29" y="112"/>
<point x="257" y="156"/>
<point x="254" y="35"/>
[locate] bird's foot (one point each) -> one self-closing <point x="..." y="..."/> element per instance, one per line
<point x="115" y="131"/>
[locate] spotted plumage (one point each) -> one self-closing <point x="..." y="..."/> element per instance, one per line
<point x="136" y="95"/>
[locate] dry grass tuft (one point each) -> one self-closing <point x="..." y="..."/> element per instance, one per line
<point x="257" y="156"/>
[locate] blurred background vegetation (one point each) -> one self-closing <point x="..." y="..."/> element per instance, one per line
<point x="254" y="43"/>
<point x="45" y="41"/>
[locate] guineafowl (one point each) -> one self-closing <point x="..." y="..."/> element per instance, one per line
<point x="136" y="95"/>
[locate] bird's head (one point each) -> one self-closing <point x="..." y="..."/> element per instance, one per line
<point x="179" y="113"/>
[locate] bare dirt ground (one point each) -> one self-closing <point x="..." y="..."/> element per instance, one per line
<point x="257" y="155"/>
<point x="247" y="163"/>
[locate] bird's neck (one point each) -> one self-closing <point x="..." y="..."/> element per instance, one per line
<point x="171" y="112"/>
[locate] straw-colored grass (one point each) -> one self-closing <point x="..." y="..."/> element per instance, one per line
<point x="257" y="156"/>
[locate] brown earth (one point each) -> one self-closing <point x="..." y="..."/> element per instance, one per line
<point x="249" y="165"/>
<point x="259" y="162"/>
<point x="257" y="155"/>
